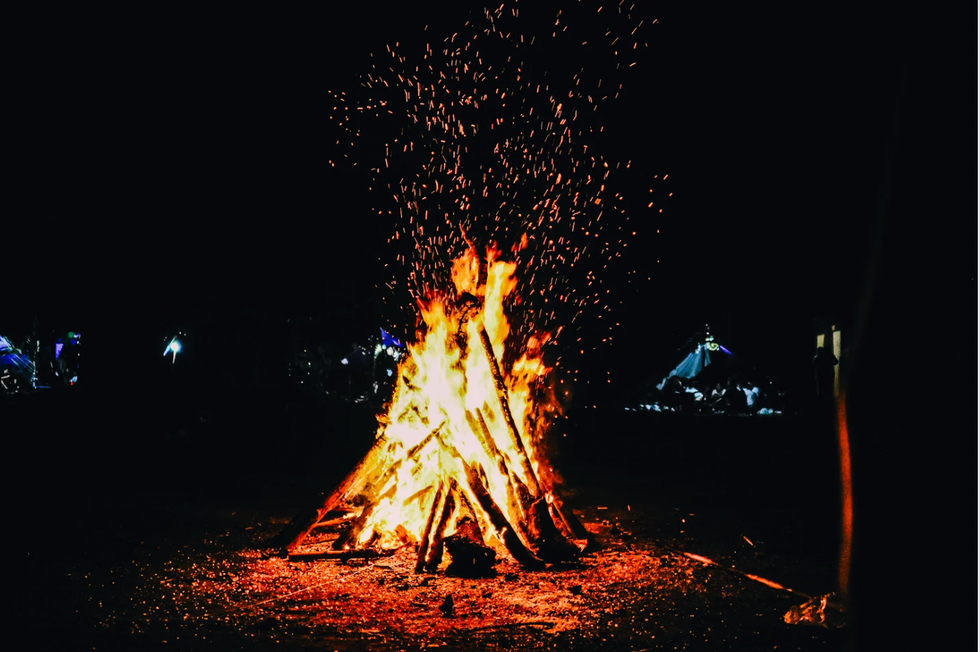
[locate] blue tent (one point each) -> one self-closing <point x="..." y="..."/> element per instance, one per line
<point x="12" y="358"/>
<point x="387" y="340"/>
<point x="695" y="362"/>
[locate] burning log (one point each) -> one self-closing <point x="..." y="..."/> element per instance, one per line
<point x="411" y="456"/>
<point x="505" y="531"/>
<point x="482" y="433"/>
<point x="334" y="522"/>
<point x="569" y="520"/>
<point x="437" y="504"/>
<point x="515" y="434"/>
<point x="358" y="525"/>
<point x="434" y="554"/>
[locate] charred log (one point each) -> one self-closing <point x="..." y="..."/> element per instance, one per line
<point x="470" y="557"/>
<point x="340" y="555"/>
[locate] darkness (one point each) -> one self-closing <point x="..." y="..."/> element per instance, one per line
<point x="168" y="165"/>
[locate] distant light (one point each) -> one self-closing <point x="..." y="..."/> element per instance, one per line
<point x="344" y="361"/>
<point x="173" y="348"/>
<point x="389" y="372"/>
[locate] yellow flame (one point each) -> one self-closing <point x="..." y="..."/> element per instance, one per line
<point x="444" y="376"/>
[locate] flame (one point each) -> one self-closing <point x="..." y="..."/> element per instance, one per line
<point x="444" y="395"/>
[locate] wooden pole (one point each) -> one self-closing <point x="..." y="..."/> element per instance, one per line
<point x="515" y="434"/>
<point x="435" y="509"/>
<point x="434" y="554"/>
<point x="482" y="433"/>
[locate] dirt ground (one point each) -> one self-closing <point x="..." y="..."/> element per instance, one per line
<point x="141" y="543"/>
<point x="191" y="572"/>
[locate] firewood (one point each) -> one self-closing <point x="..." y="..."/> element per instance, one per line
<point x="551" y="545"/>
<point x="361" y="521"/>
<point x="559" y="520"/>
<point x="334" y="522"/>
<point x="571" y="520"/>
<point x="474" y="493"/>
<point x="436" y="508"/>
<point x="508" y="535"/>
<point x="483" y="435"/>
<point x="515" y="434"/>
<point x="434" y="553"/>
<point x="300" y="527"/>
<point x="341" y="555"/>
<point x="411" y="456"/>
<point x="536" y="522"/>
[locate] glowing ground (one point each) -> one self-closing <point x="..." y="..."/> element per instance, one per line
<point x="159" y="547"/>
<point x="204" y="585"/>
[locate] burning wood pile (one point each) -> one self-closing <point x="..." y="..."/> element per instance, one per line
<point x="453" y="468"/>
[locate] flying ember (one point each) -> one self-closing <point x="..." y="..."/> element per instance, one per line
<point x="454" y="463"/>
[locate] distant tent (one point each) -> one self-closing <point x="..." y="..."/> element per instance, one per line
<point x="695" y="362"/>
<point x="387" y="340"/>
<point x="15" y="360"/>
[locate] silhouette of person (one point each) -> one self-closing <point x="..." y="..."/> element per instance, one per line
<point x="823" y="371"/>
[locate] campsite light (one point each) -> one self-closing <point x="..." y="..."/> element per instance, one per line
<point x="174" y="347"/>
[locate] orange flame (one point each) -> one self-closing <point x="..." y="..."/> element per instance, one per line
<point x="444" y="381"/>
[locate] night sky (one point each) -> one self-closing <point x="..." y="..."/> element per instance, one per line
<point x="173" y="163"/>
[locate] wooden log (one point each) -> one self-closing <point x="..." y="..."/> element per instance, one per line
<point x="361" y="521"/>
<point x="437" y="502"/>
<point x="334" y="522"/>
<point x="511" y="540"/>
<point x="410" y="456"/>
<point x="552" y="546"/>
<point x="570" y="519"/>
<point x="498" y="521"/>
<point x="479" y="426"/>
<point x="559" y="520"/>
<point x="341" y="555"/>
<point x="515" y="434"/>
<point x="301" y="526"/>
<point x="434" y="555"/>
<point x="535" y="519"/>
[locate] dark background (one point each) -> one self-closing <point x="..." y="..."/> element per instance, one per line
<point x="168" y="164"/>
<point x="168" y="168"/>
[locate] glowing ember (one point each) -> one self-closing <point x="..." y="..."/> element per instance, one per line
<point x="454" y="453"/>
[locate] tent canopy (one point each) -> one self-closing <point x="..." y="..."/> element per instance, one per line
<point x="694" y="363"/>
<point x="13" y="358"/>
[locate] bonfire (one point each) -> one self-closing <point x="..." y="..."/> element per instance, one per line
<point x="454" y="467"/>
